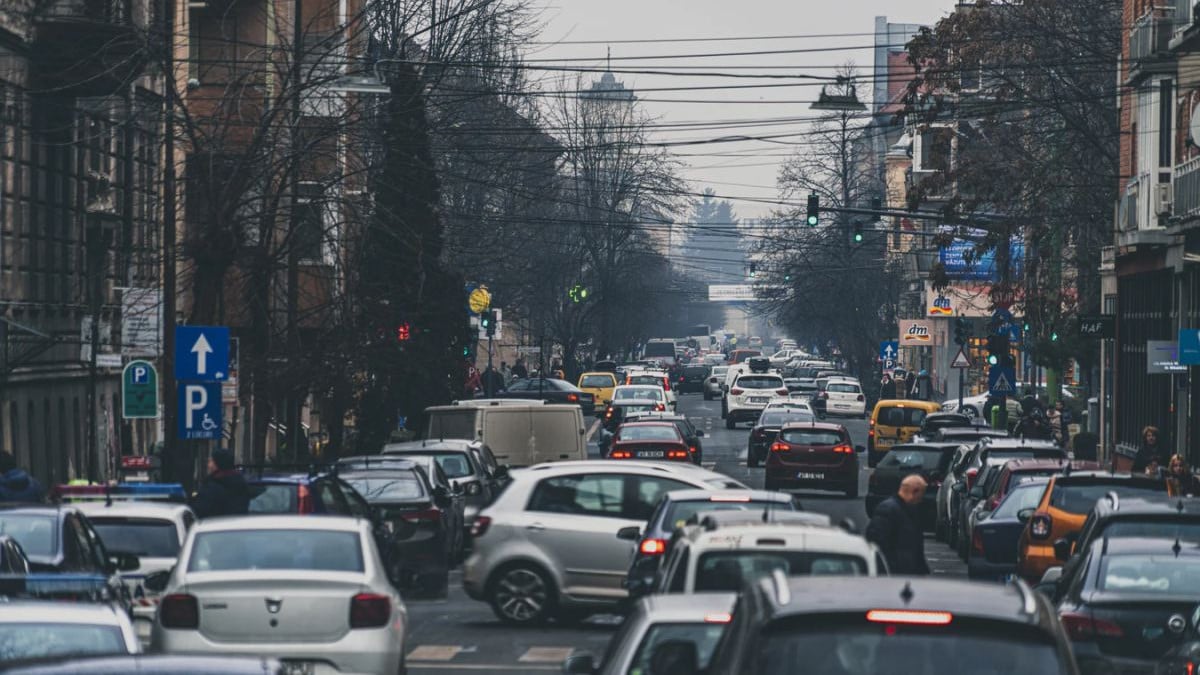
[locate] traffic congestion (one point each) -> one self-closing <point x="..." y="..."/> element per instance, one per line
<point x="643" y="529"/>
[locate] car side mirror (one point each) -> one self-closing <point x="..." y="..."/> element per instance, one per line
<point x="157" y="581"/>
<point x="959" y="487"/>
<point x="848" y="525"/>
<point x="579" y="664"/>
<point x="1048" y="585"/>
<point x="675" y="657"/>
<point x="976" y="492"/>
<point x="1062" y="548"/>
<point x="700" y="433"/>
<point x="1024" y="515"/>
<point x="123" y="562"/>
<point x="631" y="533"/>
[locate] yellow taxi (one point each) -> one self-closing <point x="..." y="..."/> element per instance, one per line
<point x="600" y="385"/>
<point x="895" y="421"/>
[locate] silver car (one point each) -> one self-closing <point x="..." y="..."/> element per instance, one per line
<point x="312" y="592"/>
<point x="699" y="618"/>
<point x="32" y="629"/>
<point x="548" y="546"/>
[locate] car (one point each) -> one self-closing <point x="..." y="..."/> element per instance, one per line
<point x="654" y="378"/>
<point x="935" y="421"/>
<point x="600" y="385"/>
<point x="634" y="398"/>
<point x="749" y="394"/>
<point x="967" y="435"/>
<point x="470" y="464"/>
<point x="1064" y="508"/>
<point x="148" y="664"/>
<point x="713" y="386"/>
<point x="547" y="547"/>
<point x="691" y="434"/>
<point x="550" y="390"/>
<point x="59" y="539"/>
<point x="1131" y="602"/>
<point x="426" y="535"/>
<point x="766" y="429"/>
<point x="929" y="460"/>
<point x="895" y="421"/>
<point x="813" y="455"/>
<point x="973" y="406"/>
<point x="674" y="510"/>
<point x="992" y="553"/>
<point x="660" y="351"/>
<point x="714" y="556"/>
<point x="313" y="591"/>
<point x="649" y="441"/>
<point x="698" y="619"/>
<point x="792" y="402"/>
<point x="740" y="355"/>
<point x="844" y="625"/>
<point x="692" y="378"/>
<point x="840" y="396"/>
<point x="516" y="432"/>
<point x="42" y="629"/>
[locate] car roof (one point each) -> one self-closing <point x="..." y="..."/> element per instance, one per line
<point x="57" y="510"/>
<point x="598" y="372"/>
<point x="572" y="466"/>
<point x="54" y="611"/>
<point x="1149" y="505"/>
<point x="134" y="509"/>
<point x="1018" y="443"/>
<point x="908" y="403"/>
<point x="728" y="495"/>
<point x="281" y="522"/>
<point x="1148" y="545"/>
<point x="684" y="608"/>
<point x="1100" y="476"/>
<point x="429" y="444"/>
<point x="378" y="473"/>
<point x="648" y="423"/>
<point x="820" y="426"/>
<point x="1039" y="463"/>
<point x="941" y="446"/>
<point x="750" y="535"/>
<point x="638" y="387"/>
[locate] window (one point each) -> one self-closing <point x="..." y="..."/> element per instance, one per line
<point x="331" y="497"/>
<point x="680" y="571"/>
<point x="927" y="460"/>
<point x="594" y="495"/>
<point x="143" y="537"/>
<point x="728" y="571"/>
<point x="310" y="230"/>
<point x="900" y="417"/>
<point x="394" y="487"/>
<point x="1150" y="575"/>
<point x="681" y="512"/>
<point x="38" y="535"/>
<point x="323" y="550"/>
<point x="656" y="432"/>
<point x="28" y="640"/>
<point x="646" y="493"/>
<point x="811" y="437"/>
<point x="841" y="388"/>
<point x="1022" y="497"/>
<point x="1081" y="498"/>
<point x="274" y="499"/>
<point x="597" y="381"/>
<point x="217" y="55"/>
<point x="932" y="149"/>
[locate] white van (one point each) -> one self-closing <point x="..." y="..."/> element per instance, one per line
<point x="519" y="434"/>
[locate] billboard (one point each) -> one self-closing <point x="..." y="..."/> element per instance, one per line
<point x="917" y="333"/>
<point x="981" y="267"/>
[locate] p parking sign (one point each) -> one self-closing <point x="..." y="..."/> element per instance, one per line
<point x="139" y="391"/>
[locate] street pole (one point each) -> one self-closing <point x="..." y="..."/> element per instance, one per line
<point x="962" y="376"/>
<point x="293" y="400"/>
<point x="488" y="383"/>
<point x="95" y="251"/>
<point x="170" y="459"/>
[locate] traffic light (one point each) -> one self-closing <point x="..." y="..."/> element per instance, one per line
<point x="403" y="332"/>
<point x="858" y="232"/>
<point x="997" y="346"/>
<point x="814" y="209"/>
<point x="488" y="321"/>
<point x="1054" y="336"/>
<point x="578" y="293"/>
<point x="753" y="270"/>
<point x="962" y="331"/>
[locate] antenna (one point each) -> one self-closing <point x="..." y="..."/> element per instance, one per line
<point x="1177" y="547"/>
<point x="906" y="593"/>
<point x="608" y="58"/>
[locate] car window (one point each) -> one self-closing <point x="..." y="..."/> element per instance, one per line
<point x="189" y="519"/>
<point x="94" y="555"/>
<point x="640" y="394"/>
<point x="1024" y="496"/>
<point x="645" y="491"/>
<point x="584" y="495"/>
<point x="681" y="512"/>
<point x="759" y="382"/>
<point x="914" y="459"/>
<point x="358" y="505"/>
<point x="295" y="549"/>
<point x="597" y="381"/>
<point x="276" y="498"/>
<point x="387" y="488"/>
<point x="729" y="571"/>
<point x="1150" y="574"/>
<point x="37" y="534"/>
<point x="1081" y="498"/>
<point x="900" y="417"/>
<point x="704" y="636"/>
<point x="679" y="572"/>
<point x="811" y="437"/>
<point x="842" y="388"/>
<point x="331" y="498"/>
<point x="648" y="433"/>
<point x="143" y="537"/>
<point x="34" y="640"/>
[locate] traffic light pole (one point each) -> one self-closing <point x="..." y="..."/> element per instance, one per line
<point x="487" y="385"/>
<point x="962" y="382"/>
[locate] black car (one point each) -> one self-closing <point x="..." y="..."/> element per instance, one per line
<point x="993" y="550"/>
<point x="935" y="421"/>
<point x="690" y="378"/>
<point x="928" y="460"/>
<point x="842" y="625"/>
<point x="691" y="435"/>
<point x="766" y="430"/>
<point x="551" y="390"/>
<point x="1133" y="600"/>
<point x="425" y="533"/>
<point x="470" y="464"/>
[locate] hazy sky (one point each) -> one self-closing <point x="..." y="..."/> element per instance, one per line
<point x="843" y="31"/>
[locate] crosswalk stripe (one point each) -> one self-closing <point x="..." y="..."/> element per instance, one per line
<point x="434" y="653"/>
<point x="546" y="654"/>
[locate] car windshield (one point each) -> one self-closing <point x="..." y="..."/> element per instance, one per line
<point x="680" y="512"/>
<point x="900" y="417"/>
<point x="720" y="370"/>
<point x="759" y="382"/>
<point x="37" y="534"/>
<point x="650" y="380"/>
<point x="704" y="635"/>
<point x="1081" y="498"/>
<point x="777" y="418"/>
<point x="728" y="571"/>
<point x="1150" y="574"/>
<point x="295" y="549"/>
<point x="639" y="394"/>
<point x="695" y="371"/>
<point x="655" y="432"/>
<point x="33" y="640"/>
<point x="389" y="488"/>
<point x="810" y="437"/>
<point x="143" y="537"/>
<point x="827" y="648"/>
<point x="597" y="381"/>
<point x="842" y="388"/>
<point x="946" y="421"/>
<point x="928" y="460"/>
<point x="454" y="464"/>
<point x="1024" y="496"/>
<point x="1169" y="529"/>
<point x="278" y="498"/>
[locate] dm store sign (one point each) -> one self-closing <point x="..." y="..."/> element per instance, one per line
<point x="917" y="333"/>
<point x="941" y="307"/>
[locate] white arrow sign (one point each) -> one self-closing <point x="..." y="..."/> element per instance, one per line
<point x="202" y="349"/>
<point x="888" y="352"/>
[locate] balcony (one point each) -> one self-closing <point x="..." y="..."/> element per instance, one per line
<point x="1137" y="224"/>
<point x="1186" y="181"/>
<point x="1186" y="26"/>
<point x="89" y="47"/>
<point x="1149" y="42"/>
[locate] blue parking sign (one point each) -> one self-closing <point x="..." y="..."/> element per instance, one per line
<point x="199" y="410"/>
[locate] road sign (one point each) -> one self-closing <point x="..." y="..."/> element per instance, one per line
<point x="960" y="360"/>
<point x="199" y="410"/>
<point x="1002" y="315"/>
<point x="139" y="391"/>
<point x="479" y="300"/>
<point x="1002" y="381"/>
<point x="141" y="312"/>
<point x="889" y="350"/>
<point x="108" y="360"/>
<point x="1189" y="347"/>
<point x="1162" y="358"/>
<point x="202" y="353"/>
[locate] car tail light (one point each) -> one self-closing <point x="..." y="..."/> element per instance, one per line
<point x="911" y="616"/>
<point x="1040" y="526"/>
<point x="370" y="610"/>
<point x="843" y="450"/>
<point x="681" y="379"/>
<point x="692" y="449"/>
<point x="871" y="428"/>
<point x="861" y="397"/>
<point x="572" y="398"/>
<point x="660" y="407"/>
<point x="977" y="541"/>
<point x="779" y="447"/>
<point x="1083" y="628"/>
<point x="718" y="617"/>
<point x="667" y="383"/>
<point x="823" y="395"/>
<point x="653" y="547"/>
<point x="737" y="392"/>
<point x="972" y="474"/>
<point x="480" y="526"/>
<point x="608" y="413"/>
<point x="782" y="392"/>
<point x="677" y="454"/>
<point x="179" y="610"/>
<point x="620" y="454"/>
<point x="305" y="500"/>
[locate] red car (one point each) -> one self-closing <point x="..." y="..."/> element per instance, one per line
<point x="813" y="455"/>
<point x="649" y="440"/>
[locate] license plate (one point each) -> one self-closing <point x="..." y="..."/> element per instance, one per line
<point x="804" y="475"/>
<point x="840" y="405"/>
<point x="298" y="668"/>
<point x="759" y="399"/>
<point x="651" y="453"/>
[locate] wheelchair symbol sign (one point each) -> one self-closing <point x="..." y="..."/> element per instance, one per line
<point x="199" y="410"/>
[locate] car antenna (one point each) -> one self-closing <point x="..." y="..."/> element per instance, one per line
<point x="108" y="495"/>
<point x="906" y="593"/>
<point x="1177" y="548"/>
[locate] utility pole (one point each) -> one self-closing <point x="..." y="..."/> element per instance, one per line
<point x="293" y="399"/>
<point x="170" y="457"/>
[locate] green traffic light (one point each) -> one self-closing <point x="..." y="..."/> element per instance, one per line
<point x="858" y="237"/>
<point x="993" y="359"/>
<point x="812" y="221"/>
<point x="1054" y="336"/>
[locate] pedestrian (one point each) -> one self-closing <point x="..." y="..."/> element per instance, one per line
<point x="1181" y="482"/>
<point x="472" y="384"/>
<point x="492" y="381"/>
<point x="506" y="372"/>
<point x="16" y="485"/>
<point x="910" y="385"/>
<point x="224" y="492"/>
<point x="887" y="388"/>
<point x="896" y="528"/>
<point x="1054" y="418"/>
<point x="1151" y="451"/>
<point x="1066" y="418"/>
<point x="519" y="370"/>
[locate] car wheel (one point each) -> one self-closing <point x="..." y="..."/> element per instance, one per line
<point x="729" y="423"/>
<point x="852" y="489"/>
<point x="522" y="595"/>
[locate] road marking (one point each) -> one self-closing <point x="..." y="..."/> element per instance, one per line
<point x="546" y="654"/>
<point x="592" y="430"/>
<point x="434" y="653"/>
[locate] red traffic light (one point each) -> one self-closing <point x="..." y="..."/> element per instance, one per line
<point x="403" y="332"/>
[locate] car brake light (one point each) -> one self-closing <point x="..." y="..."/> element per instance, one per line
<point x="718" y="617"/>
<point x="677" y="454"/>
<point x="779" y="447"/>
<point x="620" y="454"/>
<point x="737" y="392"/>
<point x="972" y="474"/>
<point x="911" y="616"/>
<point x="667" y="383"/>
<point x="179" y="610"/>
<point x="843" y="450"/>
<point x="480" y="526"/>
<point x="305" y="502"/>
<point x="730" y="499"/>
<point x="653" y="547"/>
<point x="660" y="407"/>
<point x="692" y="449"/>
<point x="1040" y="526"/>
<point x="608" y="413"/>
<point x="370" y="610"/>
<point x="1083" y="628"/>
<point x="572" y="398"/>
<point x="977" y="541"/>
<point x="861" y="397"/>
<point x="681" y="378"/>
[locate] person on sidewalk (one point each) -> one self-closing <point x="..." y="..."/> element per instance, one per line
<point x="224" y="492"/>
<point x="1152" y="453"/>
<point x="16" y="485"/>
<point x="896" y="529"/>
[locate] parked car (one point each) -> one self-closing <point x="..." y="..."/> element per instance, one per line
<point x="931" y="461"/>
<point x="551" y="390"/>
<point x="813" y="455"/>
<point x="992" y="553"/>
<point x="766" y="430"/>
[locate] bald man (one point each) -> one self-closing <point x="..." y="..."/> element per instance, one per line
<point x="895" y="528"/>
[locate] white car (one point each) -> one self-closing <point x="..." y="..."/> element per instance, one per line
<point x="311" y="591"/>
<point x="35" y="629"/>
<point x="640" y="394"/>
<point x="659" y="378"/>
<point x="713" y="386"/>
<point x="154" y="532"/>
<point x="722" y="552"/>
<point x="548" y="546"/>
<point x="791" y="403"/>
<point x="844" y="396"/>
<point x="749" y="394"/>
<point x="781" y="357"/>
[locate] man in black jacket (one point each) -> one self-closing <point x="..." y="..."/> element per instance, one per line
<point x="896" y="529"/>
<point x="225" y="492"/>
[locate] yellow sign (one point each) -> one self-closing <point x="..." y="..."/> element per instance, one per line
<point x="480" y="300"/>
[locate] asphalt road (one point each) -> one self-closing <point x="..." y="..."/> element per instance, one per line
<point x="459" y="635"/>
